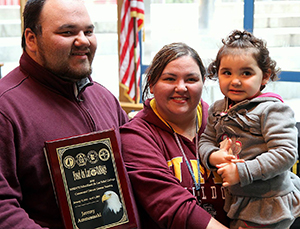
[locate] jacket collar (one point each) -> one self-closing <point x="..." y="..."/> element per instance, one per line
<point x="38" y="73"/>
<point x="199" y="113"/>
<point x="264" y="97"/>
<point x="149" y="114"/>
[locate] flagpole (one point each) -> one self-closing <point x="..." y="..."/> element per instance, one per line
<point x="135" y="64"/>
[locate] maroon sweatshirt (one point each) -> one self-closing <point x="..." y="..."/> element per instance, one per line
<point x="36" y="106"/>
<point x="161" y="181"/>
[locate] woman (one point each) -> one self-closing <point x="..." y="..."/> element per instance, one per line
<point x="159" y="147"/>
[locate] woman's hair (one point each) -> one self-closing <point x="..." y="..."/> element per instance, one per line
<point x="238" y="41"/>
<point x="31" y="15"/>
<point x="167" y="54"/>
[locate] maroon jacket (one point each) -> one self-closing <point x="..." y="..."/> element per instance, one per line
<point x="36" y="106"/>
<point x="160" y="176"/>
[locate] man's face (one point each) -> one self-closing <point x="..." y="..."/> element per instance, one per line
<point x="67" y="43"/>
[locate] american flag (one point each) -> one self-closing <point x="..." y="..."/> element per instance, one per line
<point x="132" y="21"/>
<point x="9" y="2"/>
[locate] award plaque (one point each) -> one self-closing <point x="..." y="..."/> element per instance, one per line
<point x="89" y="180"/>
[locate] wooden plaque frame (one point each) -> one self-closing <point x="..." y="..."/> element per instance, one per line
<point x="86" y="170"/>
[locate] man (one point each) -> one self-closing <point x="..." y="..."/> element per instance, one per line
<point x="49" y="96"/>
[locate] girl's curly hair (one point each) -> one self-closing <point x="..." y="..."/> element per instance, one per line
<point x="234" y="43"/>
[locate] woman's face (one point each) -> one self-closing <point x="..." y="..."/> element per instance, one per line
<point x="178" y="90"/>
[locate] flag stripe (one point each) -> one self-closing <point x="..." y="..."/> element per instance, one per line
<point x="130" y="51"/>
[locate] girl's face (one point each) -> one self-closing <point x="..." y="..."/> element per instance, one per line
<point x="178" y="90"/>
<point x="240" y="77"/>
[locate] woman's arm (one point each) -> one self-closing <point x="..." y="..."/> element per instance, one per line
<point x="155" y="186"/>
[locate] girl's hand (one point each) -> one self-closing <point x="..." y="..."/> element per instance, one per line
<point x="234" y="159"/>
<point x="222" y="155"/>
<point x="229" y="173"/>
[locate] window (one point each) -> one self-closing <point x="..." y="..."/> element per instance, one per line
<point x="203" y="23"/>
<point x="278" y="22"/>
<point x="200" y="24"/>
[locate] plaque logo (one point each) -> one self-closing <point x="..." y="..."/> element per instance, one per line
<point x="104" y="154"/>
<point x="69" y="162"/>
<point x="81" y="159"/>
<point x="92" y="156"/>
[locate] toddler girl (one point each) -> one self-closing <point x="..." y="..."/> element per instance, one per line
<point x="251" y="137"/>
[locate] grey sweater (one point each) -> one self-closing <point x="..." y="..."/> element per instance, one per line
<point x="265" y="128"/>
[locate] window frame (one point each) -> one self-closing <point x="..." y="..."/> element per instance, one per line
<point x="289" y="76"/>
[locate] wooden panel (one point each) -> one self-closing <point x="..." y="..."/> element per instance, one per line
<point x="128" y="107"/>
<point x="22" y="5"/>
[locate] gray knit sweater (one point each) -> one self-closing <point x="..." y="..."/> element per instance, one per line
<point x="265" y="129"/>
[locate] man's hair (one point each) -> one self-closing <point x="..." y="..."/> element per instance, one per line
<point x="31" y="16"/>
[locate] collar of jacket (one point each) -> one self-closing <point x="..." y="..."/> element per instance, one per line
<point x="43" y="76"/>
<point x="150" y="110"/>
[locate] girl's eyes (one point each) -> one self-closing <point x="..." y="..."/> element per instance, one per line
<point x="247" y="73"/>
<point x="227" y="73"/>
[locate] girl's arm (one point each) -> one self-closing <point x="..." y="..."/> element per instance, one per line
<point x="280" y="141"/>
